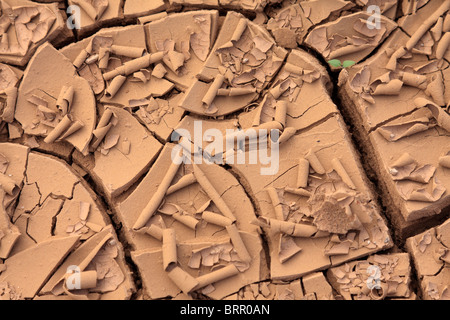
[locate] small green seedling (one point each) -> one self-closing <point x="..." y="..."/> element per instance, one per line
<point x="337" y="63"/>
<point x="348" y="63"/>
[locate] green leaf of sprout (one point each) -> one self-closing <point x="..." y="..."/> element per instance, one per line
<point x="335" y="63"/>
<point x="348" y="63"/>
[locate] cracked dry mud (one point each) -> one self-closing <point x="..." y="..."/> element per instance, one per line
<point x="94" y="207"/>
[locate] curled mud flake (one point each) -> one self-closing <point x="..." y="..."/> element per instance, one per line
<point x="85" y="208"/>
<point x="403" y="172"/>
<point x="98" y="42"/>
<point x="216" y="276"/>
<point x="432" y="289"/>
<point x="384" y="78"/>
<point x="435" y="89"/>
<point x="426" y="25"/>
<point x="157" y="197"/>
<point x="233" y="92"/>
<point x="195" y="260"/>
<point x="442" y="117"/>
<point x="94" y="227"/>
<point x="183" y="182"/>
<point x="404" y="160"/>
<point x="394" y="57"/>
<point x="8" y="78"/>
<point x="360" y="83"/>
<point x="87" y="7"/>
<point x="169" y="248"/>
<point x="293" y="70"/>
<point x="93" y="75"/>
<point x="92" y="59"/>
<point x="424" y="45"/>
<point x="9" y="233"/>
<point x="406" y="168"/>
<point x="237" y="33"/>
<point x="106" y="122"/>
<point x="212" y="91"/>
<point x="206" y="185"/>
<point x="103" y="58"/>
<point x="4" y="163"/>
<point x="441" y="254"/>
<point x="414" y="80"/>
<point x="406" y="129"/>
<point x="110" y="274"/>
<point x="431" y="192"/>
<point x="280" y="89"/>
<point x="9" y="105"/>
<point x="143" y="76"/>
<point x="115" y="86"/>
<point x="281" y="112"/>
<point x="73" y="128"/>
<point x="65" y="99"/>
<point x="298" y="191"/>
<point x="443" y="45"/>
<point x="423" y="174"/>
<point x="178" y="214"/>
<point x="200" y="41"/>
<point x="125" y="51"/>
<point x="152" y="110"/>
<point x="277" y="203"/>
<point x="238" y="244"/>
<point x="310" y="76"/>
<point x="82" y="56"/>
<point x="184" y="49"/>
<point x="216" y="218"/>
<point x="262" y="44"/>
<point x="342" y="172"/>
<point x="425" y="241"/>
<point x="174" y="60"/>
<point x="430" y="67"/>
<point x="319" y="38"/>
<point x="348" y="49"/>
<point x="60" y="128"/>
<point x="287" y="248"/>
<point x="48" y="254"/>
<point x="314" y="162"/>
<point x="93" y="8"/>
<point x="135" y="65"/>
<point x="111" y="140"/>
<point x="286" y="227"/>
<point x="342" y="248"/>
<point x="445" y="161"/>
<point x="288" y="133"/>
<point x="437" y="29"/>
<point x="87" y="279"/>
<point x="265" y="111"/>
<point x="392" y="88"/>
<point x="31" y="24"/>
<point x="367" y="97"/>
<point x="159" y="71"/>
<point x="155" y="230"/>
